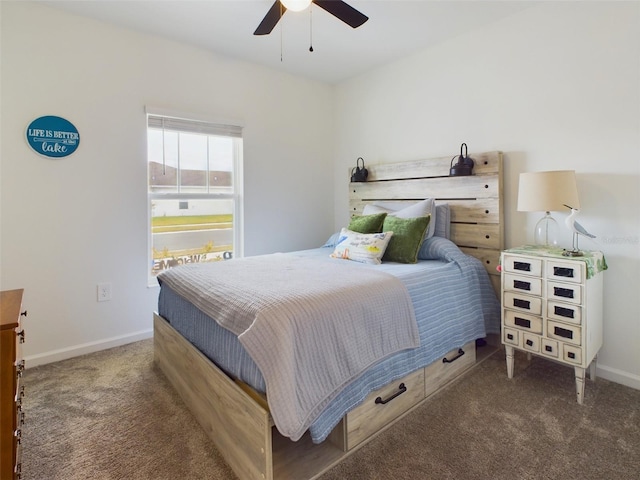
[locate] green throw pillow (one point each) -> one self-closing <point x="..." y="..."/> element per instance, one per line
<point x="367" y="223"/>
<point x="408" y="234"/>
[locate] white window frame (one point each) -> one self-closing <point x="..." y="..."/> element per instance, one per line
<point x="201" y="124"/>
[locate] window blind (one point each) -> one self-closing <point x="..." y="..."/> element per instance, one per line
<point x="193" y="126"/>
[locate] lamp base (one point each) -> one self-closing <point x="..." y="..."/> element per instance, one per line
<point x="546" y="231"/>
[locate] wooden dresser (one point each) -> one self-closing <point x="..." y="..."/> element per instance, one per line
<point x="552" y="307"/>
<point x="11" y="390"/>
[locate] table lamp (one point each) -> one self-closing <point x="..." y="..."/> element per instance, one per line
<point x="547" y="192"/>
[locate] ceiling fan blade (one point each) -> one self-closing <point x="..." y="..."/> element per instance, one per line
<point x="271" y="19"/>
<point x="343" y="11"/>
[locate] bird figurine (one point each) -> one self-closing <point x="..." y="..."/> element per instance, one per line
<point x="577" y="230"/>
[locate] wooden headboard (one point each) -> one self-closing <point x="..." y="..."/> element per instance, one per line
<point x="475" y="201"/>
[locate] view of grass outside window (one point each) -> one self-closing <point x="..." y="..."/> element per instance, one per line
<point x="193" y="199"/>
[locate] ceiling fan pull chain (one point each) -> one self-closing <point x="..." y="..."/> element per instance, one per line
<point x="310" y="30"/>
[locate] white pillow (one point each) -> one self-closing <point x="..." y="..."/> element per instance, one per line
<point x="443" y="221"/>
<point x="361" y="247"/>
<point x="400" y="210"/>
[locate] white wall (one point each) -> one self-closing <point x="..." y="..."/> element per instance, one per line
<point x="554" y="87"/>
<point x="69" y="224"/>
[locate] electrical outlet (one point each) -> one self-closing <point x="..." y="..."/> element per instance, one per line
<point x="104" y="292"/>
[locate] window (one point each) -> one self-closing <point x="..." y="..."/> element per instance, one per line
<point x="194" y="191"/>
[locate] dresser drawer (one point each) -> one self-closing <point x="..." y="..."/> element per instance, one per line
<point x="564" y="312"/>
<point x="511" y="336"/>
<point x="523" y="303"/>
<point x="565" y="271"/>
<point x="523" y="321"/>
<point x="566" y="333"/>
<point x="383" y="406"/>
<point x="450" y="366"/>
<point x="531" y="342"/>
<point x="572" y="354"/>
<point x="521" y="283"/>
<point x="17" y="470"/>
<point x="565" y="292"/>
<point x="549" y="347"/>
<point x="517" y="264"/>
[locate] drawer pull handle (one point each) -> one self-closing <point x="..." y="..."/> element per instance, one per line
<point x="522" y="322"/>
<point x="460" y="353"/>
<point x="522" y="266"/>
<point x="529" y="343"/>
<point x="563" y="312"/>
<point x="563" y="292"/>
<point x="563" y="272"/>
<point x="548" y="348"/>
<point x="19" y="368"/>
<point x="520" y="285"/>
<point x="563" y="332"/>
<point x="509" y="336"/>
<point x="401" y="389"/>
<point x="518" y="302"/>
<point x="21" y="336"/>
<point x="24" y="314"/>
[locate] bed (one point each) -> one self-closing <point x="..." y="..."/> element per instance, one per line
<point x="224" y="387"/>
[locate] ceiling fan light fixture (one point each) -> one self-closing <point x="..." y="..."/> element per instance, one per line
<point x="296" y="5"/>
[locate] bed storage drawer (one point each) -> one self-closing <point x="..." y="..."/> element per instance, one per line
<point x="449" y="367"/>
<point x="384" y="405"/>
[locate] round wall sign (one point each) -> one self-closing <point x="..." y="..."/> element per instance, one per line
<point x="53" y="137"/>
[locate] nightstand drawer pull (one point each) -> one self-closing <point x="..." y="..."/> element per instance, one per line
<point x="571" y="355"/>
<point x="518" y="302"/>
<point x="563" y="292"/>
<point x="401" y="389"/>
<point x="520" y="285"/>
<point x="563" y="332"/>
<point x="522" y="266"/>
<point x="563" y="312"/>
<point x="510" y="336"/>
<point x="529" y="342"/>
<point x="522" y="322"/>
<point x="563" y="272"/>
<point x="460" y="353"/>
<point x="548" y="348"/>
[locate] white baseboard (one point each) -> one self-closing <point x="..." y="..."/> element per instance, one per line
<point x="83" y="349"/>
<point x="618" y="376"/>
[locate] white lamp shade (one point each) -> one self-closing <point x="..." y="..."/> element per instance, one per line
<point x="296" y="5"/>
<point x="547" y="191"/>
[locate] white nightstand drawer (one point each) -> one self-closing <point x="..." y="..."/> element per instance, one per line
<point x="572" y="354"/>
<point x="564" y="332"/>
<point x="549" y="347"/>
<point x="565" y="312"/>
<point x="531" y="342"/>
<point x="523" y="321"/>
<point x="520" y="283"/>
<point x="510" y="336"/>
<point x="523" y="303"/>
<point x="565" y="271"/>
<point x="517" y="264"/>
<point x="565" y="292"/>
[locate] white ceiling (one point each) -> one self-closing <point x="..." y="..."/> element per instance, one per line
<point x="396" y="28"/>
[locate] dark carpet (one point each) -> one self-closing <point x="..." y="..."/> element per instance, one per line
<point x="112" y="415"/>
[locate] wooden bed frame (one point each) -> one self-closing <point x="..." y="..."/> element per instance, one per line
<point x="237" y="419"/>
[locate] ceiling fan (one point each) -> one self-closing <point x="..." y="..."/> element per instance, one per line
<point x="337" y="8"/>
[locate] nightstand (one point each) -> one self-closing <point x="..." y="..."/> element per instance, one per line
<point x="552" y="307"/>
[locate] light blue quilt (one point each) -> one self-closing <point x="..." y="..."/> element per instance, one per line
<point x="453" y="301"/>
